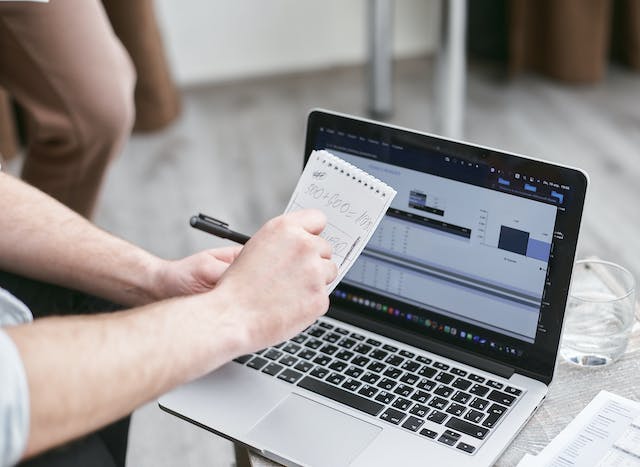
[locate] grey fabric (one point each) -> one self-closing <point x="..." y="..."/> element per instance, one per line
<point x="14" y="392"/>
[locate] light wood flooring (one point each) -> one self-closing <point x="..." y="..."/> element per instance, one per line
<point x="236" y="153"/>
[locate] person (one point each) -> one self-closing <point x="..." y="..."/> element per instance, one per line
<point x="62" y="62"/>
<point x="66" y="376"/>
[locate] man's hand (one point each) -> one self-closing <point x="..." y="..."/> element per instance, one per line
<point x="278" y="284"/>
<point x="194" y="274"/>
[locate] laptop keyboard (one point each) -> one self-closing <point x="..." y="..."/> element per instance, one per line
<point x="420" y="394"/>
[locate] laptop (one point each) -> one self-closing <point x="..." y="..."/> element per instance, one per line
<point x="441" y="341"/>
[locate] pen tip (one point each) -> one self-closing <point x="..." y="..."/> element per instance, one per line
<point x="193" y="220"/>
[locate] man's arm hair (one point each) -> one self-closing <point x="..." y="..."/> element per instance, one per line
<point x="44" y="240"/>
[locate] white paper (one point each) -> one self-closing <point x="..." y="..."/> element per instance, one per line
<point x="605" y="434"/>
<point x="353" y="201"/>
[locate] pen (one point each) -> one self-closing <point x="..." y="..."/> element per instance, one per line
<point x="217" y="228"/>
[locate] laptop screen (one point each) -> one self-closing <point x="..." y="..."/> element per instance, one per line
<point x="476" y="249"/>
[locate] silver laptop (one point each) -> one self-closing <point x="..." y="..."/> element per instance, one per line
<point x="441" y="341"/>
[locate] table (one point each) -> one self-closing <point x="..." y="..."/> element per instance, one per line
<point x="571" y="390"/>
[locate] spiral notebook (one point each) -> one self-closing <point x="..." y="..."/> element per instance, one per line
<point x="353" y="201"/>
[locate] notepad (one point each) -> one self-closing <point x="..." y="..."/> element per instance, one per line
<point x="353" y="201"/>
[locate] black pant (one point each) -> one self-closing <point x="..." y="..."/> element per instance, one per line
<point x="106" y="447"/>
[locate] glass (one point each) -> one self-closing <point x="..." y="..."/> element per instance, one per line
<point x="599" y="315"/>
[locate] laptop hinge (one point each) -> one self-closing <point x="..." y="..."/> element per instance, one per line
<point x="423" y="342"/>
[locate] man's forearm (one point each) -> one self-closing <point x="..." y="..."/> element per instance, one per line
<point x="98" y="368"/>
<point x="45" y="240"/>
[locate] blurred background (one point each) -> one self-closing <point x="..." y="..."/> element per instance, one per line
<point x="224" y="89"/>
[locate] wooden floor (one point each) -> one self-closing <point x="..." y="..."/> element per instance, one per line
<point x="236" y="153"/>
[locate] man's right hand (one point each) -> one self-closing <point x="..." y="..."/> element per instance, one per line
<point x="278" y="284"/>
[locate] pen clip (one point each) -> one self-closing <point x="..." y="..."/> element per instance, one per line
<point x="212" y="220"/>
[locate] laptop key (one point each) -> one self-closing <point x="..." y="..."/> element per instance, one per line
<point x="299" y="339"/>
<point x="332" y="337"/>
<point x="441" y="366"/>
<point x="478" y="390"/>
<point x="408" y="378"/>
<point x="313" y="343"/>
<point x="288" y="360"/>
<point x="426" y="384"/>
<point x="360" y="360"/>
<point x="362" y="349"/>
<point x="421" y="396"/>
<point x="370" y="378"/>
<point x="356" y="336"/>
<point x="465" y="447"/>
<point x="419" y="410"/>
<point x="376" y="366"/>
<point x="354" y="371"/>
<point x="291" y="348"/>
<point x="340" y="395"/>
<point x="272" y="354"/>
<point x="437" y="417"/>
<point x="461" y="397"/>
<point x="307" y="354"/>
<point x="337" y="365"/>
<point x="344" y="355"/>
<point x="402" y="404"/>
<point x="427" y="372"/>
<point x="368" y="391"/>
<point x="387" y="384"/>
<point x="461" y="384"/>
<point x="393" y="416"/>
<point x="316" y="332"/>
<point x="392" y="372"/>
<point x="410" y="366"/>
<point x="373" y="342"/>
<point x="428" y="433"/>
<point x="403" y="390"/>
<point x="335" y="378"/>
<point x="458" y="372"/>
<point x="257" y="362"/>
<point x="444" y="391"/>
<point x="378" y="354"/>
<point x="456" y="409"/>
<point x="325" y="325"/>
<point x="413" y="423"/>
<point x="385" y="397"/>
<point x="243" y="358"/>
<point x="347" y="343"/>
<point x="303" y="366"/>
<point x="501" y="397"/>
<point x="438" y="403"/>
<point x="479" y="403"/>
<point x="322" y="360"/>
<point x="319" y="372"/>
<point x="495" y="384"/>
<point x="476" y="378"/>
<point x="495" y="412"/>
<point x="512" y="390"/>
<point x="390" y="348"/>
<point x="467" y="428"/>
<point x="351" y="384"/>
<point x="394" y="360"/>
<point x="406" y="353"/>
<point x="272" y="369"/>
<point x="449" y="437"/>
<point x="474" y="416"/>
<point x="290" y="376"/>
<point x="329" y="349"/>
<point x="342" y="331"/>
<point x="424" y="360"/>
<point x="444" y="378"/>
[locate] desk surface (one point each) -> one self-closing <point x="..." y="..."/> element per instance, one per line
<point x="570" y="391"/>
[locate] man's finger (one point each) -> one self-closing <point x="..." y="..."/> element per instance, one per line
<point x="312" y="220"/>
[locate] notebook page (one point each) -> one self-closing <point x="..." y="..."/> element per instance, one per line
<point x="353" y="201"/>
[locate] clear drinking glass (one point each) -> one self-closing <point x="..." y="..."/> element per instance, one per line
<point x="599" y="315"/>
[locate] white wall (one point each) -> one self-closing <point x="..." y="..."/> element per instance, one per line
<point x="215" y="40"/>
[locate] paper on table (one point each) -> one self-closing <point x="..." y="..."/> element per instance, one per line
<point x="604" y="434"/>
<point x="353" y="201"/>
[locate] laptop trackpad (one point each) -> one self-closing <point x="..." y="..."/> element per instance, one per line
<point x="311" y="433"/>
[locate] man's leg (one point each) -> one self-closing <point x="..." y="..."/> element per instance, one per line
<point x="63" y="64"/>
<point x="107" y="447"/>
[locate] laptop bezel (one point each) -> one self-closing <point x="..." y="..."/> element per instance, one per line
<point x="540" y="364"/>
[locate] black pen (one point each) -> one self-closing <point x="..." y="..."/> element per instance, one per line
<point x="217" y="228"/>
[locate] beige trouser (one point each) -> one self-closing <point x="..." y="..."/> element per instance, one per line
<point x="65" y="67"/>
